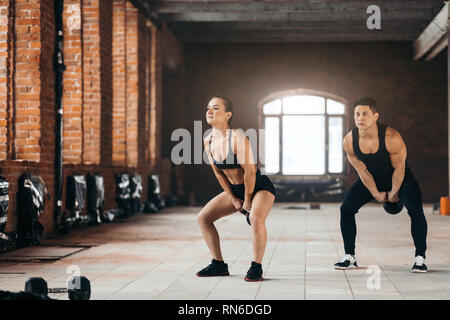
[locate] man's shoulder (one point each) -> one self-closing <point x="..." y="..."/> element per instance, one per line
<point x="348" y="138"/>
<point x="392" y="133"/>
<point x="394" y="140"/>
<point x="347" y="143"/>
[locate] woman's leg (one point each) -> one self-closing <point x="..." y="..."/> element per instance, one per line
<point x="218" y="207"/>
<point x="261" y="205"/>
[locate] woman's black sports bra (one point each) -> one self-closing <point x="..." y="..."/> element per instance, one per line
<point x="231" y="161"/>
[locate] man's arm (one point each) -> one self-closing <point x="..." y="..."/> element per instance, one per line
<point x="397" y="152"/>
<point x="361" y="169"/>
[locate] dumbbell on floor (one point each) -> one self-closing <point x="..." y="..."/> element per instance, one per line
<point x="78" y="287"/>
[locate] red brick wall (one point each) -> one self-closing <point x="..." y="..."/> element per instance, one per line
<point x="106" y="85"/>
<point x="33" y="150"/>
<point x="91" y="80"/>
<point x="156" y="97"/>
<point x="148" y="100"/>
<point x="73" y="83"/>
<point x="5" y="69"/>
<point x="47" y="99"/>
<point x="27" y="112"/>
<point x="27" y="81"/>
<point x="142" y="138"/>
<point x="119" y="83"/>
<point x="132" y="42"/>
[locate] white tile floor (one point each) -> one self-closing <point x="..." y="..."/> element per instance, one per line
<point x="156" y="257"/>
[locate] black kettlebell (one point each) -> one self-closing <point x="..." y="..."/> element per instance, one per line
<point x="393" y="207"/>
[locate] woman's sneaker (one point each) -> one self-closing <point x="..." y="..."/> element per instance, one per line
<point x="419" y="265"/>
<point x="215" y="268"/>
<point x="347" y="262"/>
<point x="254" y="273"/>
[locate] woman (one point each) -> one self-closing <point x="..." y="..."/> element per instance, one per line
<point x="245" y="189"/>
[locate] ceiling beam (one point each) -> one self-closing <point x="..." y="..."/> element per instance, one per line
<point x="293" y="25"/>
<point x="440" y="45"/>
<point x="283" y="6"/>
<point x="409" y="29"/>
<point x="143" y="7"/>
<point x="343" y="37"/>
<point x="291" y="16"/>
<point x="288" y="32"/>
<point x="432" y="33"/>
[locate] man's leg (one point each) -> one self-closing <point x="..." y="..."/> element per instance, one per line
<point x="411" y="197"/>
<point x="356" y="197"/>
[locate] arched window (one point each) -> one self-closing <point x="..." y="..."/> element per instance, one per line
<point x="303" y="133"/>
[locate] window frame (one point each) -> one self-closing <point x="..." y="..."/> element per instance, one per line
<point x="345" y="125"/>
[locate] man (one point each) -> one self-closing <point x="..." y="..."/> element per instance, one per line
<point x="378" y="154"/>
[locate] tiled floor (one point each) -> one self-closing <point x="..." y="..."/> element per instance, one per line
<point x="156" y="257"/>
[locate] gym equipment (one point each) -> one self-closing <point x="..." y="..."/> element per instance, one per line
<point x="393" y="207"/>
<point x="444" y="206"/>
<point x="123" y="194"/>
<point x="7" y="239"/>
<point x="76" y="191"/>
<point x="4" y="202"/>
<point x="247" y="216"/>
<point x="95" y="199"/>
<point x="136" y="191"/>
<point x="20" y="296"/>
<point x="154" y="192"/>
<point x="149" y="207"/>
<point x="171" y="201"/>
<point x="31" y="196"/>
<point x="78" y="288"/>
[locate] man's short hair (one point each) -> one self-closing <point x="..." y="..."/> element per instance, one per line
<point x="367" y="101"/>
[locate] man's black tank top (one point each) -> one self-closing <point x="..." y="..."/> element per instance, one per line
<point x="378" y="163"/>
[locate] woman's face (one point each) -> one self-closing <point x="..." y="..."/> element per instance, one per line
<point x="215" y="112"/>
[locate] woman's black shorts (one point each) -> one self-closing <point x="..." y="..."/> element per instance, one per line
<point x="262" y="183"/>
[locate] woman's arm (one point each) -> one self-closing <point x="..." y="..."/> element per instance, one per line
<point x="247" y="161"/>
<point x="221" y="177"/>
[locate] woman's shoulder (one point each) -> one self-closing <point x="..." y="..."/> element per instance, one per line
<point x="238" y="133"/>
<point x="207" y="139"/>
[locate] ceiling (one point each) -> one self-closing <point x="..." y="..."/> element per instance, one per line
<point x="290" y="21"/>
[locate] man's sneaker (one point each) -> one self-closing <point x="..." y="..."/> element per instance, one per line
<point x="419" y="265"/>
<point x="254" y="273"/>
<point x="347" y="262"/>
<point x="215" y="268"/>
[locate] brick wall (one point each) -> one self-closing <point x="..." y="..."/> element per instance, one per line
<point x="5" y="76"/>
<point x="27" y="80"/>
<point x="91" y="81"/>
<point x="106" y="84"/>
<point x="132" y="63"/>
<point x="119" y="83"/>
<point x="97" y="115"/>
<point x="73" y="83"/>
<point x="156" y="97"/>
<point x="30" y="99"/>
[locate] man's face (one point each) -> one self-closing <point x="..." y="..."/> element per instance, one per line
<point x="364" y="117"/>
